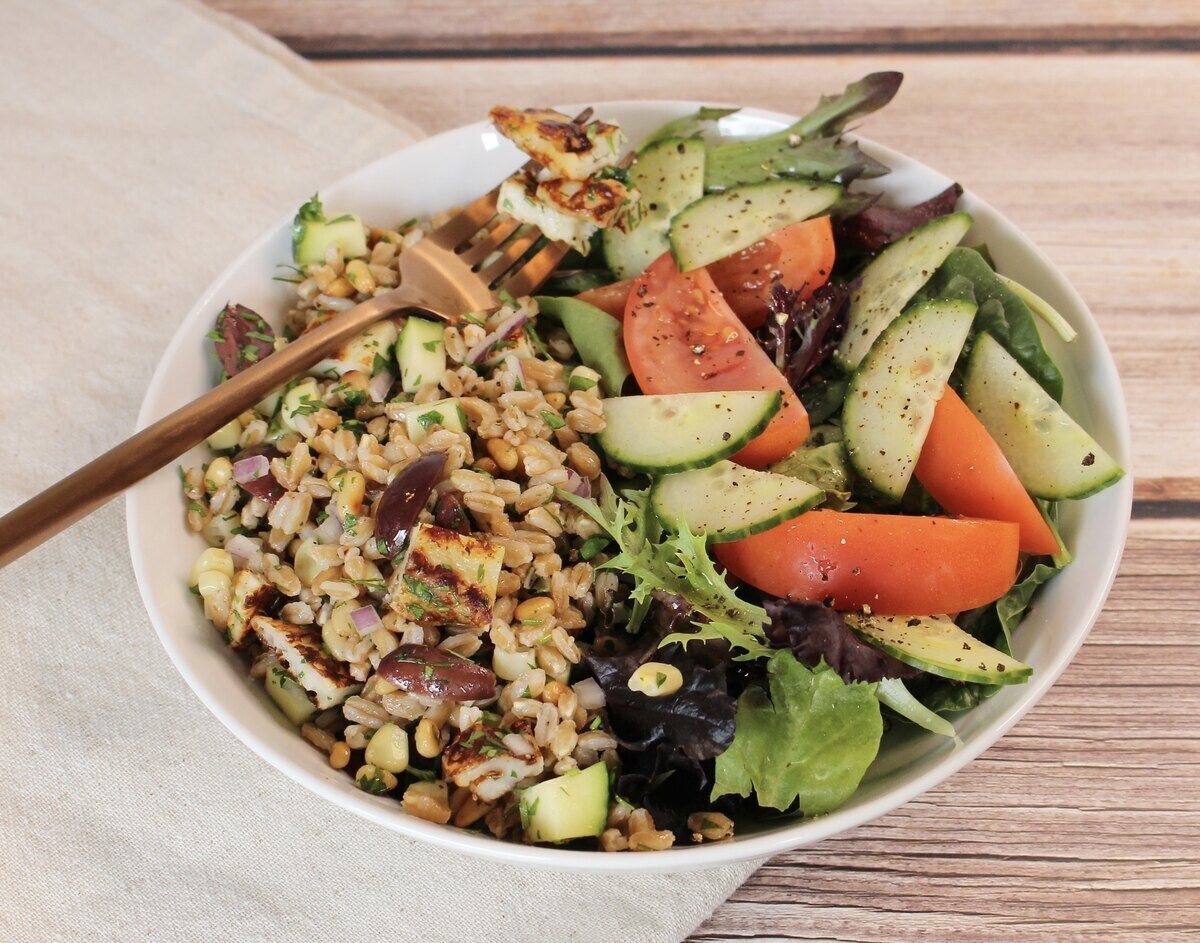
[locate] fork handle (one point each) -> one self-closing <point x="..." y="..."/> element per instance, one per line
<point x="160" y="443"/>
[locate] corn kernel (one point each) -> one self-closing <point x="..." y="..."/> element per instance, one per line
<point x="219" y="471"/>
<point x="360" y="276"/>
<point x="212" y="559"/>
<point x="388" y="749"/>
<point x="349" y="490"/>
<point x="226" y="437"/>
<point x="213" y="582"/>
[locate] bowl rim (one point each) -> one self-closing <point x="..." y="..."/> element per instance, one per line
<point x="388" y="812"/>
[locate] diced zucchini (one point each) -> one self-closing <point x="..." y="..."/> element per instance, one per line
<point x="574" y="805"/>
<point x="892" y="396"/>
<point x="421" y="353"/>
<point x="892" y="278"/>
<point x="288" y="696"/>
<point x="723" y="223"/>
<point x="388" y="749"/>
<point x="447" y="578"/>
<point x="673" y="432"/>
<point x="1050" y="452"/>
<point x="937" y="645"/>
<point x="227" y="437"/>
<point x="727" y="501"/>
<point x="669" y="175"/>
<point x="447" y="413"/>
<point x="303" y="399"/>
<point x="312" y="234"/>
<point x="366" y="353"/>
<point x="509" y="666"/>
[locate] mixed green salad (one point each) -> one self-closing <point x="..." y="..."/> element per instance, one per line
<point x="835" y="466"/>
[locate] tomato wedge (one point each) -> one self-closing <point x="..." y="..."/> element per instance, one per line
<point x="681" y="337"/>
<point x="800" y="256"/>
<point x="610" y="299"/>
<point x="965" y="471"/>
<point x="897" y="565"/>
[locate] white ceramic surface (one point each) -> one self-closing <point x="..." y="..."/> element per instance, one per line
<point x="453" y="168"/>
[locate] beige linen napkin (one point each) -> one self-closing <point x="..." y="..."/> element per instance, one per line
<point x="142" y="145"/>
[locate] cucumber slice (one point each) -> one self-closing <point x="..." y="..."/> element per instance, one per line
<point x="1050" y="452"/>
<point x="723" y="223"/>
<point x="891" y="397"/>
<point x="673" y="432"/>
<point x="892" y="693"/>
<point x="421" y="353"/>
<point x="937" y="645"/>
<point x="892" y="278"/>
<point x="669" y="175"/>
<point x="574" y="805"/>
<point x="289" y="696"/>
<point x="727" y="501"/>
<point x="447" y="413"/>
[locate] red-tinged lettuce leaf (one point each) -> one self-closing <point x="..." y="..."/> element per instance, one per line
<point x="816" y="633"/>
<point x="799" y="334"/>
<point x="833" y="114"/>
<point x="877" y="225"/>
<point x="808" y="741"/>
<point x="241" y="338"/>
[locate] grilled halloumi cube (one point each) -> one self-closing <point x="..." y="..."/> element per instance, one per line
<point x="566" y="149"/>
<point x="517" y="198"/>
<point x="601" y="202"/>
<point x="447" y="578"/>
<point x="480" y="759"/>
<point x="250" y="594"/>
<point x="359" y="353"/>
<point x="326" y="679"/>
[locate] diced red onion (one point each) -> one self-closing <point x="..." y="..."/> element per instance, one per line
<point x="329" y="531"/>
<point x="366" y="620"/>
<point x="513" y="363"/>
<point x="590" y="694"/>
<point x="247" y="550"/>
<point x="508" y="326"/>
<point x="380" y="385"/>
<point x="251" y="468"/>
<point x="578" y="485"/>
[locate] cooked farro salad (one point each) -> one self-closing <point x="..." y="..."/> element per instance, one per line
<point x="769" y="468"/>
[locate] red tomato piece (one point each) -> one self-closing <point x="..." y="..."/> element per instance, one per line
<point x="897" y="565"/>
<point x="965" y="471"/>
<point x="800" y="256"/>
<point x="610" y="299"/>
<point x="681" y="337"/>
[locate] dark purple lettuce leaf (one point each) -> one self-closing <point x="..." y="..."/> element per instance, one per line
<point x="800" y="334"/>
<point x="878" y="225"/>
<point x="815" y="632"/>
<point x="241" y="338"/>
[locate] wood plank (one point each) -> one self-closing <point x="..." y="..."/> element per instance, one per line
<point x="1096" y="170"/>
<point x="378" y="27"/>
<point x="1083" y="823"/>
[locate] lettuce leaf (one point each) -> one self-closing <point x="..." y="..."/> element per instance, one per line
<point x="811" y="740"/>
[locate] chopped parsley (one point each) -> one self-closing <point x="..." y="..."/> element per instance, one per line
<point x="553" y="420"/>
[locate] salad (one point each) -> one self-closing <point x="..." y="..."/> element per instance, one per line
<point x="768" y="468"/>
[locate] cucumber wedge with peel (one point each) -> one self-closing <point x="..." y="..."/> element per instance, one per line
<point x="721" y="224"/>
<point x="727" y="501"/>
<point x="892" y="278"/>
<point x="1050" y="452"/>
<point x="937" y="645"/>
<point x="673" y="432"/>
<point x="669" y="175"/>
<point x="891" y="398"/>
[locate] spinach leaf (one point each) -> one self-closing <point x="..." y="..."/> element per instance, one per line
<point x="810" y="740"/>
<point x="1001" y="313"/>
<point x="826" y="466"/>
<point x="823" y="398"/>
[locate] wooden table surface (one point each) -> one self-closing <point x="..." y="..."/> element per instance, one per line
<point x="1081" y="121"/>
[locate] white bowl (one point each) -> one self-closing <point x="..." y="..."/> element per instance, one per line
<point x="453" y="168"/>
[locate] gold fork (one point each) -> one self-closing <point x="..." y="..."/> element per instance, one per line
<point x="448" y="273"/>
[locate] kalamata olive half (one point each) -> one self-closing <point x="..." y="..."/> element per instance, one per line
<point x="265" y="487"/>
<point x="434" y="672"/>
<point x="396" y="512"/>
<point x="241" y="339"/>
